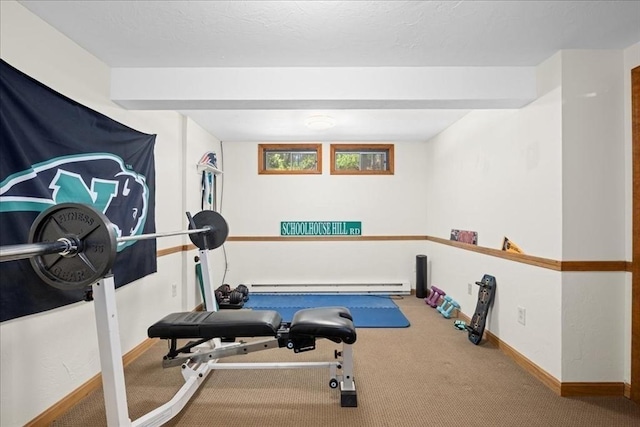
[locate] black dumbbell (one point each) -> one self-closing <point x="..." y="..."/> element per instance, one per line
<point x="219" y="296"/>
<point x="235" y="297"/>
<point x="225" y="290"/>
<point x="244" y="291"/>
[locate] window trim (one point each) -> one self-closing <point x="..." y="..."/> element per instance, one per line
<point x="262" y="148"/>
<point x="362" y="147"/>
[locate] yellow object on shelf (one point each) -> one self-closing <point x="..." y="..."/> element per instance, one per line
<point x="509" y="246"/>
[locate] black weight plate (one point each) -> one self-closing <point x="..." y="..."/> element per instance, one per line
<point x="97" y="246"/>
<point x="218" y="234"/>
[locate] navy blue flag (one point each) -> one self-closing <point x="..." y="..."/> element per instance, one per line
<point x="54" y="150"/>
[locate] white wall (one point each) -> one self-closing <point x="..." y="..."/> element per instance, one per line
<point x="46" y="356"/>
<point x="593" y="326"/>
<point x="499" y="173"/>
<point x="197" y="141"/>
<point x="592" y="155"/>
<point x="550" y="176"/>
<point x="385" y="204"/>
<point x="631" y="60"/>
<point x="535" y="289"/>
<point x="593" y="212"/>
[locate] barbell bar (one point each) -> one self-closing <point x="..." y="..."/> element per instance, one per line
<point x="72" y="246"/>
<point x="165" y="234"/>
<point x="16" y="252"/>
<point x="67" y="247"/>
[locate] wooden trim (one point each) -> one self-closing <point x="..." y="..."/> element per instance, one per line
<point x="635" y="232"/>
<point x="138" y="351"/>
<point x="533" y="369"/>
<point x="526" y="259"/>
<point x="58" y="409"/>
<point x="319" y="238"/>
<point x="522" y="258"/>
<point x="627" y="390"/>
<point x="592" y="389"/>
<point x="593" y="266"/>
<point x="562" y="389"/>
<point x="173" y="250"/>
<point x="262" y="170"/>
<point x="389" y="148"/>
<point x="68" y="402"/>
<point x="72" y="399"/>
<point x="537" y="261"/>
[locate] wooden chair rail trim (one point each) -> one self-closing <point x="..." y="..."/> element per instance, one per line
<point x="172" y="250"/>
<point x="538" y="261"/>
<point x="521" y="258"/>
<point x="320" y="238"/>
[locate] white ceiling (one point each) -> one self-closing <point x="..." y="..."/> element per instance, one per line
<point x="337" y="34"/>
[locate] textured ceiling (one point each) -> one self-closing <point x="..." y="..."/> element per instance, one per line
<point x="337" y="34"/>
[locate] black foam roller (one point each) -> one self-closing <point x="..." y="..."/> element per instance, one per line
<point x="421" y="276"/>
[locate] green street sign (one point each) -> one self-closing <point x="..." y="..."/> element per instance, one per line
<point x="320" y="228"/>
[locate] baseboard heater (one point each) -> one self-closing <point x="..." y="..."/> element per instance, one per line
<point x="396" y="288"/>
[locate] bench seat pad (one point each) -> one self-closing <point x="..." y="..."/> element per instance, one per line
<point x="334" y="323"/>
<point x="213" y="324"/>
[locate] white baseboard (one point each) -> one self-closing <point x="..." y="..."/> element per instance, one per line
<point x="396" y="288"/>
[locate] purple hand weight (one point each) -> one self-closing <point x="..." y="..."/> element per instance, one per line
<point x="434" y="297"/>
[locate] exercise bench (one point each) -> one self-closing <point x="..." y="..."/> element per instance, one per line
<point x="198" y="357"/>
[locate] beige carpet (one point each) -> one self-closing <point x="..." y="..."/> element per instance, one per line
<point x="427" y="374"/>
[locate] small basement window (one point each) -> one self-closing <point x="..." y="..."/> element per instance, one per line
<point x="289" y="159"/>
<point x="362" y="159"/>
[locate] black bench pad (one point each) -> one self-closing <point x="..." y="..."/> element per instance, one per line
<point x="333" y="323"/>
<point x="213" y="324"/>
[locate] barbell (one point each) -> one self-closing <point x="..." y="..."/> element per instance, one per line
<point x="72" y="246"/>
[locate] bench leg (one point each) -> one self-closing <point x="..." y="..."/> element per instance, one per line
<point x="348" y="396"/>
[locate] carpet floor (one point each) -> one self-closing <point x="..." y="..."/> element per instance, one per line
<point x="428" y="374"/>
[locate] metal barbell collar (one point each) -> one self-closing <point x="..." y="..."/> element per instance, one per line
<point x="62" y="246"/>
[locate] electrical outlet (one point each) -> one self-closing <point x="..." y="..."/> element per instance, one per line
<point x="522" y="312"/>
<point x="469" y="288"/>
<point x="174" y="290"/>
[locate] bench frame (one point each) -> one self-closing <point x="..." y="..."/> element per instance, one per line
<point x="195" y="366"/>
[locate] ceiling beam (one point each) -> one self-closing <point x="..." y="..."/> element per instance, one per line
<point x="323" y="87"/>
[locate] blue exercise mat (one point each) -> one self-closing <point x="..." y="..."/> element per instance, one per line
<point x="368" y="311"/>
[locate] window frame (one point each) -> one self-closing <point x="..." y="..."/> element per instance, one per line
<point x="264" y="148"/>
<point x="336" y="148"/>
